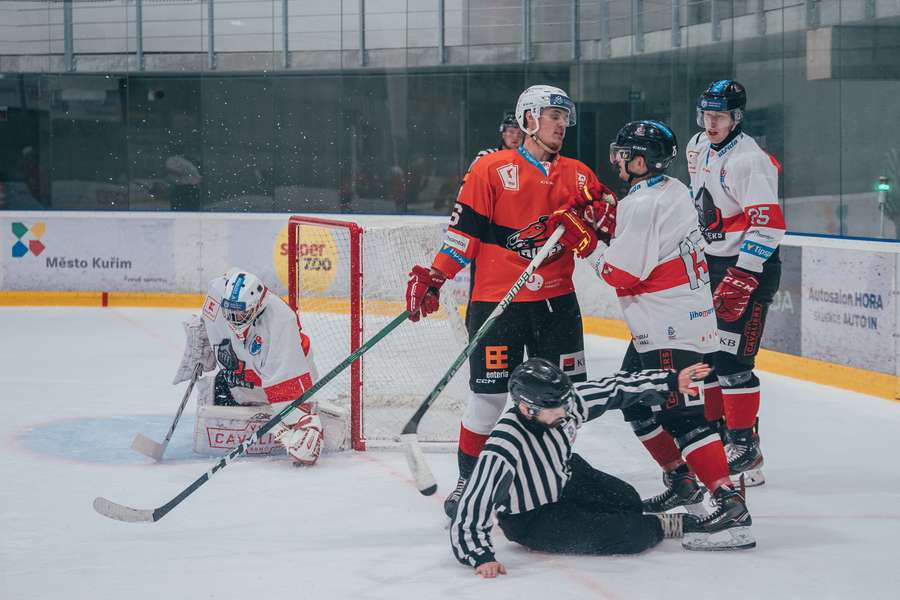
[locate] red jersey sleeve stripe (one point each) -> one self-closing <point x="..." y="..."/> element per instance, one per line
<point x="288" y="390"/>
<point x="618" y="278"/>
<point x="765" y="215"/>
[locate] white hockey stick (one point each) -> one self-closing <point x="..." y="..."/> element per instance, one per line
<point x="154" y="450"/>
<point x="415" y="458"/>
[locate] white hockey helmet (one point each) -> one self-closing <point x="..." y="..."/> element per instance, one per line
<point x="242" y="300"/>
<point x="538" y="97"/>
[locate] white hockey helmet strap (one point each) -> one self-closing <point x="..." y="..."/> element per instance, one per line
<point x="242" y="299"/>
<point x="538" y="97"/>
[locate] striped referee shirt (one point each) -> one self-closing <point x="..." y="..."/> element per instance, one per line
<point x="522" y="467"/>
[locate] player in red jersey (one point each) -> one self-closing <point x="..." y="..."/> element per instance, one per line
<point x="498" y="224"/>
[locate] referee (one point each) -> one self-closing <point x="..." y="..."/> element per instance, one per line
<point x="547" y="498"/>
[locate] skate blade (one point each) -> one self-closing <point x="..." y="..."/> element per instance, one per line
<point x="736" y="538"/>
<point x="752" y="478"/>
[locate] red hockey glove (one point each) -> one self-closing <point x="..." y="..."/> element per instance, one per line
<point x="423" y="291"/>
<point x="597" y="205"/>
<point x="579" y="235"/>
<point x="733" y="294"/>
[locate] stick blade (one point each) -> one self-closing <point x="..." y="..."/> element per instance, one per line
<point x="419" y="468"/>
<point x="148" y="447"/>
<point x="119" y="512"/>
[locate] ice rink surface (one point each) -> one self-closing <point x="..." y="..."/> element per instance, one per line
<point x="79" y="383"/>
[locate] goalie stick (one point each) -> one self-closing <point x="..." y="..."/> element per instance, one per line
<point x="154" y="450"/>
<point x="419" y="468"/>
<point x="120" y="512"/>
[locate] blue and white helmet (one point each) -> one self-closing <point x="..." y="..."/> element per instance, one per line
<point x="538" y="97"/>
<point x="723" y="95"/>
<point x="242" y="300"/>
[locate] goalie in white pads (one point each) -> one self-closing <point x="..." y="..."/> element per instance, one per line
<point x="264" y="357"/>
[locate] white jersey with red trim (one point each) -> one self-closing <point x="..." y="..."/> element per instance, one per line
<point x="274" y="354"/>
<point x="735" y="191"/>
<point x="657" y="266"/>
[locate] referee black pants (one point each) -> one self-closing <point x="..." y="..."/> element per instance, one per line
<point x="596" y="514"/>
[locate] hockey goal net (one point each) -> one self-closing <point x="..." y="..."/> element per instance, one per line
<point x="347" y="282"/>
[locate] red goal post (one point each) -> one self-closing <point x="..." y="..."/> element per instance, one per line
<point x="345" y="280"/>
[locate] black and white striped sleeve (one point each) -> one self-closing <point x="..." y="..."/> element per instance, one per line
<point x="621" y="390"/>
<point x="470" y="533"/>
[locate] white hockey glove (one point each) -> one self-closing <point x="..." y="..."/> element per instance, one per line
<point x="303" y="440"/>
<point x="196" y="350"/>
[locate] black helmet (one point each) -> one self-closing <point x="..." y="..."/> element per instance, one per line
<point x="538" y="384"/>
<point x="509" y="120"/>
<point x="653" y="140"/>
<point x="724" y="95"/>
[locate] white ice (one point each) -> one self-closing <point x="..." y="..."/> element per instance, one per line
<point x="79" y="383"/>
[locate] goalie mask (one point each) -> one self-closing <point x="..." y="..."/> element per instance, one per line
<point x="538" y="384"/>
<point x="242" y="300"/>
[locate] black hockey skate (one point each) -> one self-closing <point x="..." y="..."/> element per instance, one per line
<point x="683" y="490"/>
<point x="451" y="504"/>
<point x="745" y="457"/>
<point x="726" y="528"/>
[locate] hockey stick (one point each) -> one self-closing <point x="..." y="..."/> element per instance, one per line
<point x="120" y="512"/>
<point x="419" y="468"/>
<point x="154" y="450"/>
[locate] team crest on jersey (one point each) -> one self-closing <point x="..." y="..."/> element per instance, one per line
<point x="255" y="345"/>
<point x="531" y="238"/>
<point x="509" y="176"/>
<point x="210" y="309"/>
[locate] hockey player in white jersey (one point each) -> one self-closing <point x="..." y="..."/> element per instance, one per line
<point x="263" y="357"/>
<point x="734" y="185"/>
<point x="656" y="264"/>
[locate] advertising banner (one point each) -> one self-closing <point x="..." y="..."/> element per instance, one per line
<point x="849" y="313"/>
<point x="80" y="253"/>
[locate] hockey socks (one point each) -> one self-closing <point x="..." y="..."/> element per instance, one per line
<point x="662" y="447"/>
<point x="706" y="458"/>
<point x="713" y="406"/>
<point x="741" y="405"/>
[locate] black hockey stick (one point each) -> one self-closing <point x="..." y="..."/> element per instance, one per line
<point x="154" y="450"/>
<point x="419" y="468"/>
<point x="120" y="512"/>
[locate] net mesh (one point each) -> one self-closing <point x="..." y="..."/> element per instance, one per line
<point x="404" y="366"/>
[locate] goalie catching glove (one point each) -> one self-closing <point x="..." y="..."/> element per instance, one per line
<point x="301" y="433"/>
<point x="733" y="294"/>
<point x="196" y="350"/>
<point x="423" y="292"/>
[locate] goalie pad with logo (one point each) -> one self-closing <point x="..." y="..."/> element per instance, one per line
<point x="218" y="429"/>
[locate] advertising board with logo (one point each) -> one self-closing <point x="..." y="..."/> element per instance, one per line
<point x="850" y="307"/>
<point x="76" y="253"/>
